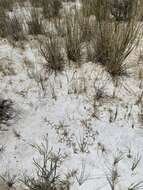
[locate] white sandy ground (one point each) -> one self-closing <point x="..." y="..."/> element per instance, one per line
<point x="69" y="100"/>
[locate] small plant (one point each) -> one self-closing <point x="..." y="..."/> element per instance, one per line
<point x="85" y="140"/>
<point x="117" y="158"/>
<point x="47" y="177"/>
<point x="82" y="144"/>
<point x="51" y="52"/>
<point x="38" y="75"/>
<point x="82" y="177"/>
<point x="7" y="112"/>
<point x="101" y="147"/>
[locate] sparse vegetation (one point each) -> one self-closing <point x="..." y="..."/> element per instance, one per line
<point x="69" y="83"/>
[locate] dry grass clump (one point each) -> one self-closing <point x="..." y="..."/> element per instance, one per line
<point x="51" y="8"/>
<point x="96" y="8"/>
<point x="35" y="25"/>
<point x="87" y="27"/>
<point x="114" y="40"/>
<point x="7" y="4"/>
<point x="59" y="25"/>
<point x="14" y="29"/>
<point x="36" y="3"/>
<point x="87" y="7"/>
<point x="123" y="10"/>
<point x="73" y="39"/>
<point x="3" y="25"/>
<point x="10" y="27"/>
<point x="52" y="53"/>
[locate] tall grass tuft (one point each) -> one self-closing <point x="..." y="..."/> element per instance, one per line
<point x="51" y="8"/>
<point x="3" y="25"/>
<point x="7" y="4"/>
<point x="35" y="25"/>
<point x="115" y="40"/>
<point x="123" y="10"/>
<point x="96" y="8"/>
<point x="14" y="29"/>
<point x="73" y="40"/>
<point x="36" y="3"/>
<point x="52" y="53"/>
